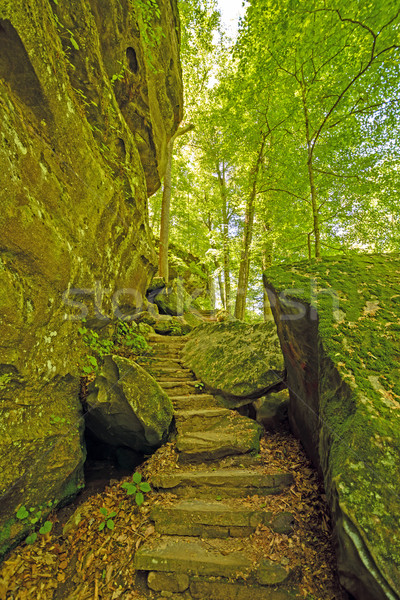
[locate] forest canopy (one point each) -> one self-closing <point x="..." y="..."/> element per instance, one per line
<point x="293" y="151"/>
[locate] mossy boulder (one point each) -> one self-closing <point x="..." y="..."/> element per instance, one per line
<point x="127" y="407"/>
<point x="167" y="325"/>
<point x="193" y="318"/>
<point x="173" y="299"/>
<point x="236" y="360"/>
<point x="338" y="322"/>
<point x="42" y="450"/>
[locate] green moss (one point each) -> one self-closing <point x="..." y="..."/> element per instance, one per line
<point x="357" y="302"/>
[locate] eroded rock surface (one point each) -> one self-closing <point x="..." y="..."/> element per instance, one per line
<point x="90" y="94"/>
<point x="235" y="359"/>
<point x="339" y="334"/>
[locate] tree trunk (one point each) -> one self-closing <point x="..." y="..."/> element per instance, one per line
<point x="244" y="268"/>
<point x="309" y="244"/>
<point x="225" y="235"/>
<point x="266" y="263"/>
<point x="211" y="290"/>
<point x="243" y="279"/>
<point x="166" y="204"/>
<point x="221" y="290"/>
<point x="310" y="168"/>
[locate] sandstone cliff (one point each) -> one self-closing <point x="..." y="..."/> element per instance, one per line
<point x="90" y="94"/>
<point x="338" y="321"/>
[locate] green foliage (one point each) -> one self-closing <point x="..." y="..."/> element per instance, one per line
<point x="151" y="32"/>
<point x="46" y="528"/>
<point x="137" y="487"/>
<point x="108" y="519"/>
<point x="120" y="75"/>
<point x="99" y="346"/>
<point x="56" y="420"/>
<point x="30" y="517"/>
<point x="320" y="83"/>
<point x="22" y="513"/>
<point x="199" y="385"/>
<point x="5" y="379"/>
<point x="127" y="336"/>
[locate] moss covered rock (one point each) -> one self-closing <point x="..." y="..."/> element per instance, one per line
<point x="90" y="94"/>
<point x="173" y="299"/>
<point x="42" y="451"/>
<point x="236" y="360"/>
<point x="338" y="322"/>
<point x="127" y="407"/>
<point x="167" y="325"/>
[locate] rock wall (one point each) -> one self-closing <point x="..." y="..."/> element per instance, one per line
<point x="338" y="322"/>
<point x="90" y="94"/>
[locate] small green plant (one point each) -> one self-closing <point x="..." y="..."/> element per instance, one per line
<point x="92" y="367"/>
<point x="31" y="517"/>
<point x="55" y="420"/>
<point x="5" y="379"/>
<point x="108" y="519"/>
<point x="199" y="385"/>
<point x="119" y="76"/>
<point x="137" y="487"/>
<point x="99" y="347"/>
<point x="127" y="336"/>
<point x="175" y="329"/>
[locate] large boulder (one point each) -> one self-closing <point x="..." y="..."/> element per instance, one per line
<point x="167" y="325"/>
<point x="338" y="321"/>
<point x="90" y="95"/>
<point x="173" y="299"/>
<point x="127" y="407"/>
<point x="236" y="360"/>
<point x="42" y="450"/>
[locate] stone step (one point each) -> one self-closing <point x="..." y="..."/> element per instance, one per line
<point x="202" y="419"/>
<point x="197" y="558"/>
<point x="172" y="371"/>
<point x="167" y="339"/>
<point x="179" y="388"/>
<point x="204" y="588"/>
<point x="200" y="439"/>
<point x="227" y="483"/>
<point x="167" y="377"/>
<point x="213" y="519"/>
<point x="224" y="590"/>
<point x="206" y="446"/>
<point x="157" y="362"/>
<point x="169" y="347"/>
<point x="168" y="355"/>
<point x="190" y="557"/>
<point x="194" y="401"/>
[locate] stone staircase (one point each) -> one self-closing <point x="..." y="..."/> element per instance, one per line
<point x="205" y="520"/>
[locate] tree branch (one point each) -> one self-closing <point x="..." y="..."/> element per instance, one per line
<point x="282" y="190"/>
<point x="336" y="174"/>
